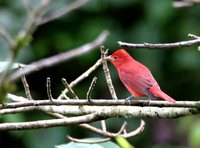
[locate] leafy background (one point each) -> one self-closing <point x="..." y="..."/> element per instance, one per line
<point x="177" y="70"/>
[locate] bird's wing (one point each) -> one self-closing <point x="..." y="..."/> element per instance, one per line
<point x="139" y="81"/>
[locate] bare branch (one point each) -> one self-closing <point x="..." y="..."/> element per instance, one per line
<point x="165" y="45"/>
<point x="81" y="77"/>
<point x="59" y="58"/>
<point x="69" y="89"/>
<point x="124" y="125"/>
<point x="98" y="102"/>
<point x="84" y="125"/>
<point x="96" y="130"/>
<point x="185" y="3"/>
<point x="18" y="110"/>
<point x="61" y="12"/>
<point x="125" y="111"/>
<point x="94" y="80"/>
<point x="48" y="84"/>
<point x="192" y="36"/>
<point x="103" y="125"/>
<point x="25" y="84"/>
<point x="136" y="131"/>
<point x="16" y="98"/>
<point x="48" y="123"/>
<point x="104" y="53"/>
<point x="64" y="96"/>
<point x="112" y="135"/>
<point x="87" y="141"/>
<point x="122" y="111"/>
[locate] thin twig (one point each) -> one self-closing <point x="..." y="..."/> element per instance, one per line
<point x="87" y="141"/>
<point x="192" y="36"/>
<point x="48" y="123"/>
<point x="124" y="131"/>
<point x="136" y="131"/>
<point x="165" y="45"/>
<point x="59" y="58"/>
<point x="185" y="3"/>
<point x="89" y="92"/>
<point x="15" y="98"/>
<point x="69" y="88"/>
<point x="18" y="110"/>
<point x="25" y="84"/>
<point x="104" y="53"/>
<point x="48" y="85"/>
<point x="104" y="132"/>
<point x="86" y="126"/>
<point x="103" y="125"/>
<point x="61" y="12"/>
<point x="124" y="125"/>
<point x="81" y="77"/>
<point x="64" y="95"/>
<point x="98" y="131"/>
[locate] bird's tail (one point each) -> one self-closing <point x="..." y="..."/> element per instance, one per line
<point x="159" y="93"/>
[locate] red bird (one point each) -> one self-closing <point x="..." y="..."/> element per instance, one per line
<point x="136" y="77"/>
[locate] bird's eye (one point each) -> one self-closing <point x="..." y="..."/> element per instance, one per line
<point x="115" y="57"/>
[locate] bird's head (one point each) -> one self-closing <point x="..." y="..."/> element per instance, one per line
<point x="118" y="57"/>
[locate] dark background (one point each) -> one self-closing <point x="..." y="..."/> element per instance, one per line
<point x="176" y="70"/>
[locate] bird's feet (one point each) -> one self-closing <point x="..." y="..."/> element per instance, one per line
<point x="128" y="99"/>
<point x="149" y="101"/>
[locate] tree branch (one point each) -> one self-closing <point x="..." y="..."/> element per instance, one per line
<point x="89" y="92"/>
<point x="125" y="111"/>
<point x="81" y="77"/>
<point x="99" y="113"/>
<point x="69" y="89"/>
<point x="104" y="53"/>
<point x="25" y="84"/>
<point x="49" y="123"/>
<point x="165" y="45"/>
<point x="96" y="102"/>
<point x="48" y="85"/>
<point x="59" y="58"/>
<point x="116" y="111"/>
<point x="87" y="141"/>
<point x="185" y="3"/>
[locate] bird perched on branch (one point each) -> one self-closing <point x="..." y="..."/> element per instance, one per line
<point x="136" y="77"/>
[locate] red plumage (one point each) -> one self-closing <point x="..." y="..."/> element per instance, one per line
<point x="136" y="77"/>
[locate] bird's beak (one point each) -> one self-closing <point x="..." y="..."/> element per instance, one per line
<point x="108" y="58"/>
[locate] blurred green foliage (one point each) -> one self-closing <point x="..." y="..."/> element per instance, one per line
<point x="176" y="70"/>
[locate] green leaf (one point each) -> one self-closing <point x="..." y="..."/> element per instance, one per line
<point x="123" y="142"/>
<point x="108" y="144"/>
<point x="3" y="66"/>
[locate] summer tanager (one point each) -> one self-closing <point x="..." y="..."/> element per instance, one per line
<point x="136" y="77"/>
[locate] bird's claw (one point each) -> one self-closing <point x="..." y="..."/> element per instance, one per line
<point x="128" y="99"/>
